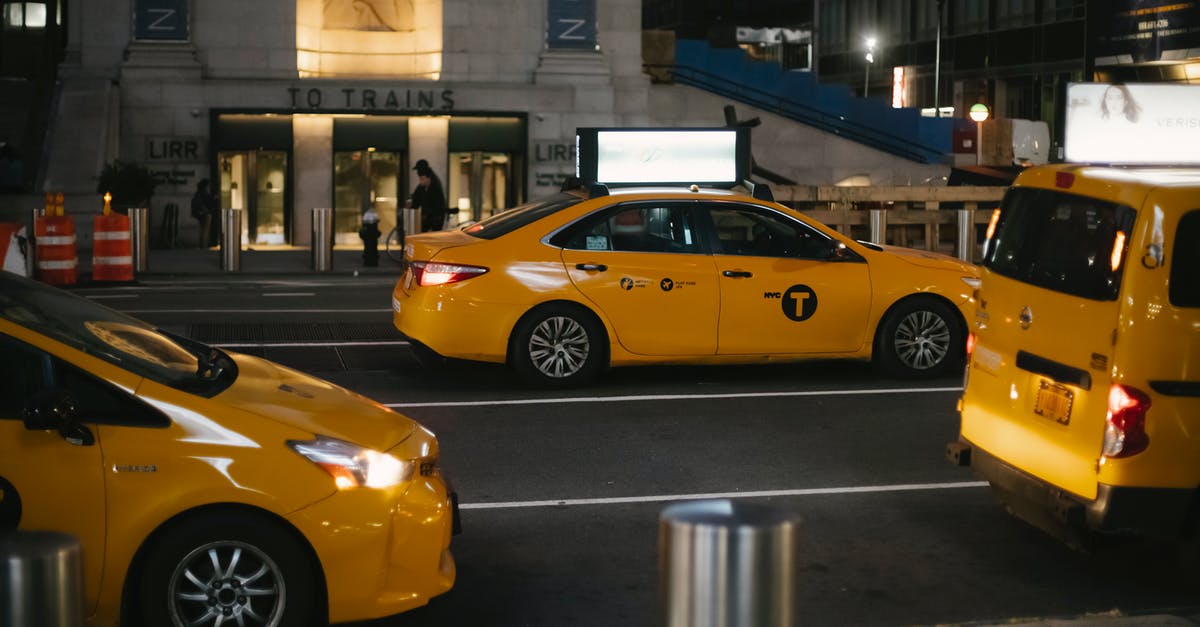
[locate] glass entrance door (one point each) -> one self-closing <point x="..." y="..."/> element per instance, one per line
<point x="364" y="179"/>
<point x="256" y="182"/>
<point x="480" y="184"/>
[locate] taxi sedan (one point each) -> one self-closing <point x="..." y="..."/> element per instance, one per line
<point x="561" y="288"/>
<point x="210" y="488"/>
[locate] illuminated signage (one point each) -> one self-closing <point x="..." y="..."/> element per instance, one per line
<point x="1133" y="123"/>
<point x="898" y="88"/>
<point x="710" y="156"/>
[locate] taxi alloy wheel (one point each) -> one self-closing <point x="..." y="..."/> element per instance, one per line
<point x="228" y="570"/>
<point x="919" y="338"/>
<point x="557" y="346"/>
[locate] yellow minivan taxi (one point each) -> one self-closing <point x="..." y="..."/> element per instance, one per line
<point x="563" y="287"/>
<point x="207" y="487"/>
<point x="1082" y="397"/>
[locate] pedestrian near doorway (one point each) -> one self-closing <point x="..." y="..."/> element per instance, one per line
<point x="204" y="207"/>
<point x="429" y="197"/>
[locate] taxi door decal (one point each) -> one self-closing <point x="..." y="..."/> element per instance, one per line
<point x="799" y="302"/>
<point x="10" y="505"/>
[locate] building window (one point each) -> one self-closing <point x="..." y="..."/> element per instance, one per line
<point x="1062" y="10"/>
<point x="833" y="25"/>
<point x="23" y="14"/>
<point x="970" y="16"/>
<point x="1015" y="13"/>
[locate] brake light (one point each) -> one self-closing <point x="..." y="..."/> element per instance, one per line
<point x="429" y="273"/>
<point x="991" y="230"/>
<point x="1118" y="250"/>
<point x="1125" y="428"/>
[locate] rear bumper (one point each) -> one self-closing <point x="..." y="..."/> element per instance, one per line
<point x="1115" y="510"/>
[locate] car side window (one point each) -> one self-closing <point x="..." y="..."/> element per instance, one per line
<point x="23" y="372"/>
<point x="642" y="227"/>
<point x="103" y="403"/>
<point x="757" y="232"/>
<point x="1185" y="262"/>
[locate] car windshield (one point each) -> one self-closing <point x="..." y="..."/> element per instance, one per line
<point x="114" y="337"/>
<point x="1063" y="242"/>
<point x="517" y="217"/>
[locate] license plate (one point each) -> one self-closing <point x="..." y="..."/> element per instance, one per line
<point x="1054" y="402"/>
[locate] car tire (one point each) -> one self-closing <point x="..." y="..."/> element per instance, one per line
<point x="267" y="580"/>
<point x="920" y="338"/>
<point x="558" y="346"/>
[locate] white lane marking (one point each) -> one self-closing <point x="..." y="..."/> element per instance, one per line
<point x="874" y="489"/>
<point x="670" y="397"/>
<point x="289" y="293"/>
<point x="111" y="296"/>
<point x="306" y="344"/>
<point x="270" y="311"/>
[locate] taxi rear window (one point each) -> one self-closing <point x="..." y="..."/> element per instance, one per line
<point x="1063" y="242"/>
<point x="508" y="221"/>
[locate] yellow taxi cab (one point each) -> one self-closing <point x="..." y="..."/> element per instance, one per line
<point x="207" y="487"/>
<point x="626" y="273"/>
<point x="1082" y="398"/>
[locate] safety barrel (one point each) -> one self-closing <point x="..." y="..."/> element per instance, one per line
<point x="112" y="252"/>
<point x="55" y="249"/>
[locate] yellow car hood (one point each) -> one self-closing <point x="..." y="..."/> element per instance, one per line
<point x="311" y="404"/>
<point x="928" y="259"/>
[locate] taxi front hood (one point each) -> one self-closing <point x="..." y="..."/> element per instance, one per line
<point x="424" y="246"/>
<point x="928" y="259"/>
<point x="310" y="404"/>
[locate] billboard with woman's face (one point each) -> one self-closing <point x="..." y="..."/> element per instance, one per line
<point x="1152" y="123"/>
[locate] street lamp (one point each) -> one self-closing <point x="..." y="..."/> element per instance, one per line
<point x="870" y="60"/>
<point x="979" y="113"/>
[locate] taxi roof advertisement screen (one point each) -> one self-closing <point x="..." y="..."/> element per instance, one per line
<point x="1133" y="123"/>
<point x="644" y="156"/>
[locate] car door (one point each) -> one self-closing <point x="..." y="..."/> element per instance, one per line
<point x="643" y="265"/>
<point x="46" y="482"/>
<point x="783" y="291"/>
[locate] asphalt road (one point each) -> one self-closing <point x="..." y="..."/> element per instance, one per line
<point x="561" y="492"/>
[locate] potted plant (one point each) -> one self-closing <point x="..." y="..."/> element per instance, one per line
<point x="130" y="184"/>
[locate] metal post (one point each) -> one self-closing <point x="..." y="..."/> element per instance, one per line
<point x="966" y="233"/>
<point x="41" y="579"/>
<point x="727" y="564"/>
<point x="412" y="220"/>
<point x="139" y="234"/>
<point x="878" y="223"/>
<point x="231" y="240"/>
<point x="30" y="253"/>
<point x="322" y="239"/>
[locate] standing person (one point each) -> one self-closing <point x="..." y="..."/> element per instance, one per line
<point x="429" y="198"/>
<point x="204" y="207"/>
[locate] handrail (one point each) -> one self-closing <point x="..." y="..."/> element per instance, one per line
<point x="779" y="105"/>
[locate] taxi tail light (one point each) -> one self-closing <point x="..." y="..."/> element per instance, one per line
<point x="1125" y="426"/>
<point x="428" y="273"/>
<point x="970" y="344"/>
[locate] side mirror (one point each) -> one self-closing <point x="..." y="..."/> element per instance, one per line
<point x="55" y="409"/>
<point x="839" y="252"/>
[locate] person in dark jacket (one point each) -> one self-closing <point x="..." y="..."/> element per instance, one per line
<point x="204" y="209"/>
<point x="429" y="197"/>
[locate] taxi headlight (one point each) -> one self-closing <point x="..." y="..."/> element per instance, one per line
<point x="353" y="466"/>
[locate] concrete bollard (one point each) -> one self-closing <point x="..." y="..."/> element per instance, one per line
<point x="41" y="579"/>
<point x="727" y="564"/>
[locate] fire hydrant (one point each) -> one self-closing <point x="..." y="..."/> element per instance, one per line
<point x="369" y="234"/>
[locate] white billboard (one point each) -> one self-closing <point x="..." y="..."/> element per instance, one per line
<point x="1133" y="123"/>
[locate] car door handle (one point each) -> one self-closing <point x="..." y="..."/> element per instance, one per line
<point x="591" y="267"/>
<point x="737" y="274"/>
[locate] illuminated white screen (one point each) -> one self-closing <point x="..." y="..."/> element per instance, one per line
<point x="1138" y="123"/>
<point x="666" y="156"/>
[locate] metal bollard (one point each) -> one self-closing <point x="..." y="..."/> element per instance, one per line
<point x="322" y="239"/>
<point x="139" y="234"/>
<point x="41" y="579"/>
<point x="412" y="221"/>
<point x="231" y="240"/>
<point x="727" y="564"/>
<point x="966" y="235"/>
<point x="878" y="223"/>
<point x="30" y="257"/>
